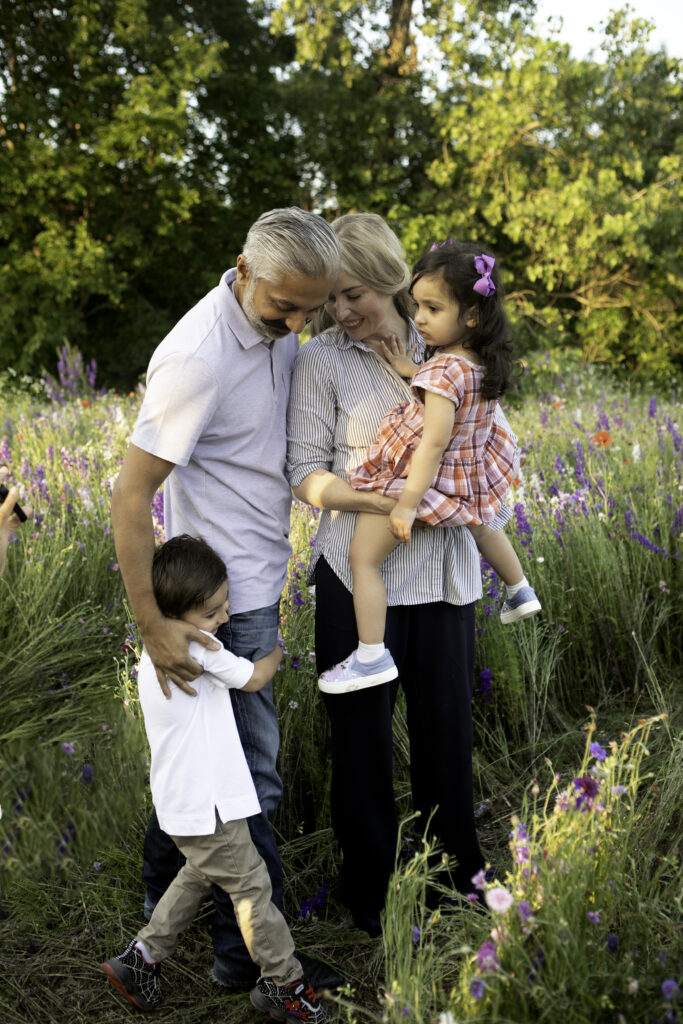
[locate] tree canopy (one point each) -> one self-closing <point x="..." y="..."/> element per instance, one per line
<point x="139" y="140"/>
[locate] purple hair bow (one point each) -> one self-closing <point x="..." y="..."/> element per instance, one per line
<point x="484" y="265"/>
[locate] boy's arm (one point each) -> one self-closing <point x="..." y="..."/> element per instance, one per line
<point x="166" y="640"/>
<point x="264" y="670"/>
<point x="229" y="671"/>
<point x="438" y="427"/>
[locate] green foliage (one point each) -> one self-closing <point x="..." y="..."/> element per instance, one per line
<point x="554" y="164"/>
<point x="138" y="141"/>
<point x="112" y="219"/>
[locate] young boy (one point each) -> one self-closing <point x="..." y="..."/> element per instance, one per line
<point x="203" y="792"/>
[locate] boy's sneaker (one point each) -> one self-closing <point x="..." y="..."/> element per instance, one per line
<point x="520" y="606"/>
<point x="134" y="978"/>
<point x="351" y="674"/>
<point x="296" y="1001"/>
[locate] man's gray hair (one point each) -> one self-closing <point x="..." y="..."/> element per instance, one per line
<point x="291" y="242"/>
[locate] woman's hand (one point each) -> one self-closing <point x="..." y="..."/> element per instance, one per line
<point x="394" y="350"/>
<point x="401" y="520"/>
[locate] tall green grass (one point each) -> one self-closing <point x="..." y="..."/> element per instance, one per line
<point x="597" y="524"/>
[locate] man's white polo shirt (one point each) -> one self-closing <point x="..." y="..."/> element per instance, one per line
<point x="198" y="765"/>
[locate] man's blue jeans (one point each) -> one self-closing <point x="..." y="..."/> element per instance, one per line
<point x="249" y="635"/>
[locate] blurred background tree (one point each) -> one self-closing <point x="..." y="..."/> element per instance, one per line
<point x="139" y="140"/>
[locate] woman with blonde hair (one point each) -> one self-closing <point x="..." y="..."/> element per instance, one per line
<point x="343" y="385"/>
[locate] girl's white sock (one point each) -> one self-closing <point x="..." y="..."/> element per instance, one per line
<point x="369" y="652"/>
<point x="145" y="952"/>
<point x="511" y="589"/>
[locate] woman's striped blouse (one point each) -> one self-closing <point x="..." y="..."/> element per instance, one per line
<point x="340" y="391"/>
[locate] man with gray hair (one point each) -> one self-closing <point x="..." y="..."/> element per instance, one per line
<point x="212" y="426"/>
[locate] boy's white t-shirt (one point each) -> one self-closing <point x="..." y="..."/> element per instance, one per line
<point x="198" y="765"/>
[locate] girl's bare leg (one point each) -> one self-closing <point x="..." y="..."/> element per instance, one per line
<point x="371" y="544"/>
<point x="499" y="553"/>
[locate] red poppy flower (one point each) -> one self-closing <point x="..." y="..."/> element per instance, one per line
<point x="603" y="438"/>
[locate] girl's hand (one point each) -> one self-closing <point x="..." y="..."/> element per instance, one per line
<point x="400" y="523"/>
<point x="394" y="351"/>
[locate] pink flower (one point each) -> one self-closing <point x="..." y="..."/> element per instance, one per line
<point x="479" y="880"/>
<point x="499" y="899"/>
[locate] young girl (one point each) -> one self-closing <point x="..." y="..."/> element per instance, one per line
<point x="441" y="454"/>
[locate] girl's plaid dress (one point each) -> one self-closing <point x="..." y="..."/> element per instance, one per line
<point x="476" y="468"/>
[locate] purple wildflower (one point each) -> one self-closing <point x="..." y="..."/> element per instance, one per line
<point x="588" y="788"/>
<point x="612" y="943"/>
<point x="484" y="688"/>
<point x="305" y="908"/>
<point x="416" y="933"/>
<point x="477" y="988"/>
<point x="677" y="526"/>
<point x="593" y="916"/>
<point x="68" y="748"/>
<point x="86" y="774"/>
<point x="523" y="528"/>
<point x="487" y="957"/>
<point x="524" y="910"/>
<point x="597" y="752"/>
<point x="670" y="989"/>
<point x="479" y="880"/>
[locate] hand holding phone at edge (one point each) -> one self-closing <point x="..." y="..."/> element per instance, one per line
<point x="9" y="520"/>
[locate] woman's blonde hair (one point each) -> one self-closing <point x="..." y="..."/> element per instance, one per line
<point x="371" y="252"/>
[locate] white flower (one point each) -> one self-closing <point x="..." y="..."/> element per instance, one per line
<point x="633" y="987"/>
<point x="637" y="452"/>
<point x="540" y="558"/>
<point x="446" y="1018"/>
<point x="499" y="899"/>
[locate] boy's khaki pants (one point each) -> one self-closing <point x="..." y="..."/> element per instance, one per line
<point x="227" y="858"/>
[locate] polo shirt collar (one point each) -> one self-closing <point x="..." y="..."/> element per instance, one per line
<point x="244" y="332"/>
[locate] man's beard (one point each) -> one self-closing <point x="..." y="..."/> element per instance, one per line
<point x="271" y="329"/>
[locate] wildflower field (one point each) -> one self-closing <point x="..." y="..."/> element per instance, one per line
<point x="578" y="753"/>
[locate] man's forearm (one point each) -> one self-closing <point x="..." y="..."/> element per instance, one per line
<point x="326" y="490"/>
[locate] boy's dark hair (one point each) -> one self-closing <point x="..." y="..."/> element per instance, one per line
<point x="185" y="573"/>
<point x="490" y="339"/>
